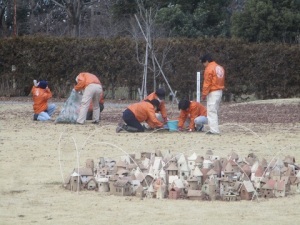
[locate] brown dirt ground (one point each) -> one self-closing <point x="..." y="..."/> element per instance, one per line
<point x="35" y="156"/>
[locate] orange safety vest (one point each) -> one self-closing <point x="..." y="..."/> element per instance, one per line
<point x="40" y="98"/>
<point x="214" y="78"/>
<point x="84" y="79"/>
<point x="196" y="109"/>
<point x="162" y="105"/>
<point x="144" y="111"/>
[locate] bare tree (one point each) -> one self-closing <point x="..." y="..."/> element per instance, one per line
<point x="146" y="22"/>
<point x="145" y="19"/>
<point x="6" y="17"/>
<point x="3" y="6"/>
<point x="74" y="10"/>
<point x="87" y="18"/>
<point x="98" y="20"/>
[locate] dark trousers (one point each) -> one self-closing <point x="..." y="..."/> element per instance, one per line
<point x="130" y="120"/>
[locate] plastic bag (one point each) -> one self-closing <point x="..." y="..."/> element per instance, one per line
<point x="70" y="110"/>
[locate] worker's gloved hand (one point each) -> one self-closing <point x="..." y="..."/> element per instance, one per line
<point x="147" y="127"/>
<point x="203" y="98"/>
<point x="79" y="92"/>
<point x="165" y="119"/>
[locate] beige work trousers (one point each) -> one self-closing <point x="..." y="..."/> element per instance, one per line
<point x="91" y="93"/>
<point x="213" y="104"/>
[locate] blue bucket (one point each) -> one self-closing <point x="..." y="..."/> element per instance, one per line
<point x="173" y="125"/>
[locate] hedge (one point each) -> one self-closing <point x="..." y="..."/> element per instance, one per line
<point x="266" y="70"/>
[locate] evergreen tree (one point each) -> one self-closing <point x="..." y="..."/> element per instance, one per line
<point x="268" y="20"/>
<point x="202" y="18"/>
<point x="184" y="18"/>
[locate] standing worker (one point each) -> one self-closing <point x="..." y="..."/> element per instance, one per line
<point x="160" y="95"/>
<point x="91" y="87"/>
<point x="192" y="115"/>
<point x="137" y="113"/>
<point x="41" y="94"/>
<point x="213" y="85"/>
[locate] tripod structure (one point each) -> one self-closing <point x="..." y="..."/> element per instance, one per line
<point x="143" y="92"/>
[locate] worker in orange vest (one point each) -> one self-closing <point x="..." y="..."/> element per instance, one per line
<point x="41" y="93"/>
<point x="136" y="113"/>
<point x="91" y="87"/>
<point x="213" y="85"/>
<point x="161" y="112"/>
<point x="192" y="115"/>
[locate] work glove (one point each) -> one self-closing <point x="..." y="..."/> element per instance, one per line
<point x="35" y="83"/>
<point x="165" y="119"/>
<point x="203" y="97"/>
<point x="79" y="92"/>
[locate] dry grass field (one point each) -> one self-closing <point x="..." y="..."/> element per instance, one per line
<point x="36" y="156"/>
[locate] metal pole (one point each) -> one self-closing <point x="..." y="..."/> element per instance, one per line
<point x="15" y="18"/>
<point x="198" y="86"/>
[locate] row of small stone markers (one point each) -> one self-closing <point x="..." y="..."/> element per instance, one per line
<point x="194" y="177"/>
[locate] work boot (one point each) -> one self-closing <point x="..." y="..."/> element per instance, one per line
<point x="200" y="128"/>
<point x="147" y="128"/>
<point x="212" y="133"/>
<point x="130" y="129"/>
<point x="35" y="116"/>
<point x="120" y="127"/>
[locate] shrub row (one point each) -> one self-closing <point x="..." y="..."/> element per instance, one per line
<point x="266" y="70"/>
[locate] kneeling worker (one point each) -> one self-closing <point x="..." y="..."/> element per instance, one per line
<point x="140" y="112"/>
<point x="192" y="115"/>
<point x="161" y="111"/>
<point x="41" y="94"/>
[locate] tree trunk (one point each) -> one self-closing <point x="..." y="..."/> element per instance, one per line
<point x="74" y="10"/>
